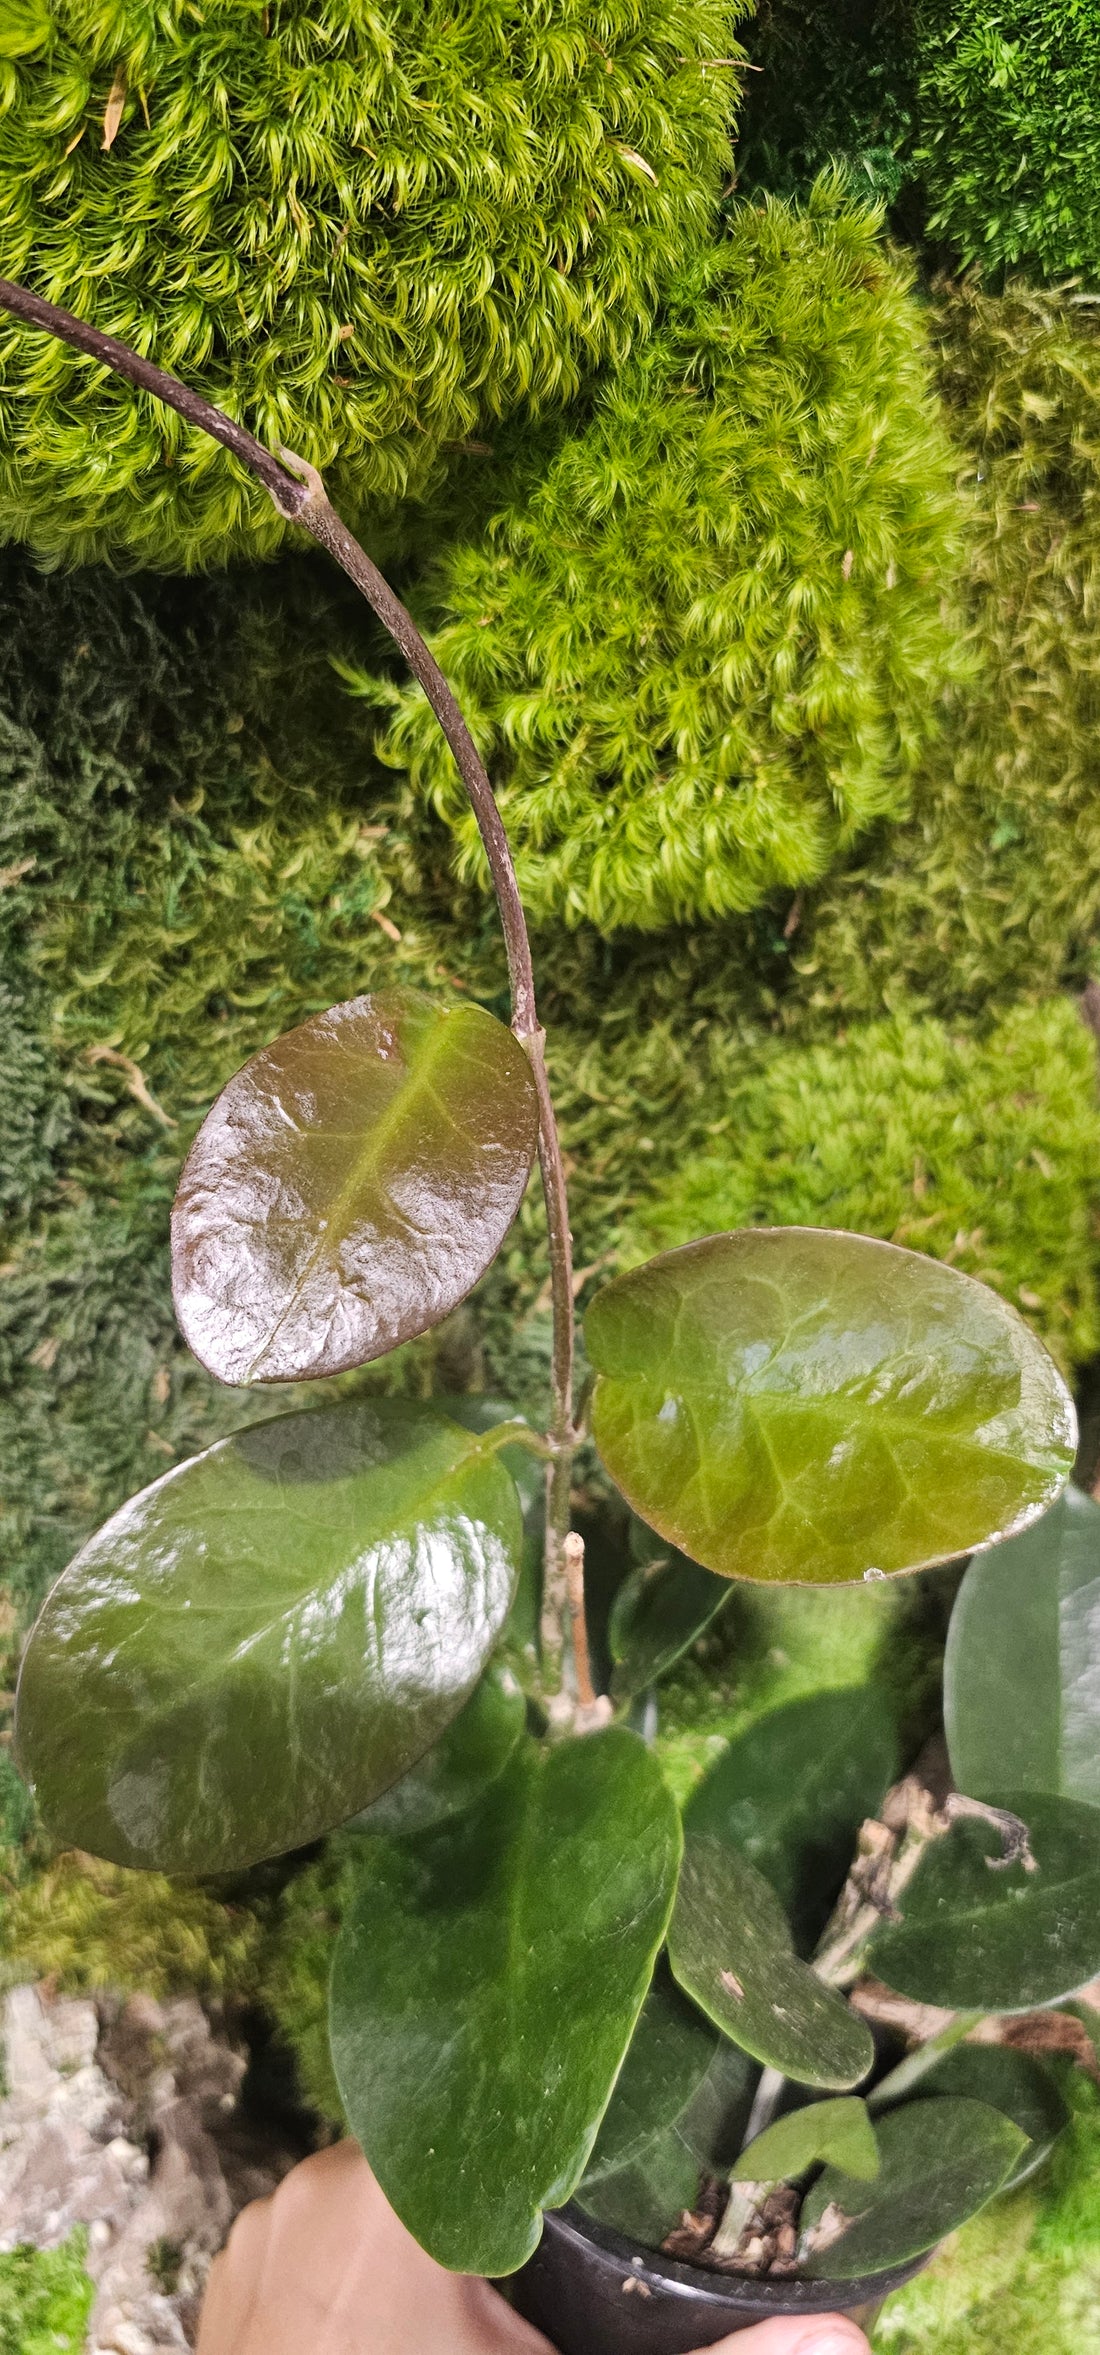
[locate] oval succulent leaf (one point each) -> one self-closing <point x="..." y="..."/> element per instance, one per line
<point x="792" y="1404"/>
<point x="487" y="1980"/>
<point x="730" y="1948"/>
<point x="349" y="1186"/>
<point x="978" y="1936"/>
<point x="1011" y="2082"/>
<point x="838" y="2132"/>
<point x="939" y="2162"/>
<point x="792" y="1791"/>
<point x="1022" y="1674"/>
<point x="261" y="1642"/>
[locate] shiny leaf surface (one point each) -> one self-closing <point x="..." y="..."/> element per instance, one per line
<point x="349" y="1186"/>
<point x="973" y="1937"/>
<point x="1022" y="1673"/>
<point x="1011" y="2082"/>
<point x="456" y="1770"/>
<point x="486" y="1986"/>
<point x="940" y="2161"/>
<point x="787" y="1403"/>
<point x="730" y="1948"/>
<point x="792" y="1791"/>
<point x="837" y="2132"/>
<point x="265" y="1639"/>
<point x="660" y="1609"/>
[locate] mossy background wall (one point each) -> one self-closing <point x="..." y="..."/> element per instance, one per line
<point x="760" y="531"/>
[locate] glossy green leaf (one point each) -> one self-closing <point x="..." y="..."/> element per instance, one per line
<point x="940" y="2161"/>
<point x="670" y="2053"/>
<point x="486" y="1986"/>
<point x="265" y="1639"/>
<point x="837" y="2132"/>
<point x="456" y="1770"/>
<point x="660" y="1609"/>
<point x="786" y="1403"/>
<point x="792" y="1791"/>
<point x="1022" y="1673"/>
<point x="1011" y="2082"/>
<point x="350" y="1185"/>
<point x="978" y="1937"/>
<point x="730" y="1948"/>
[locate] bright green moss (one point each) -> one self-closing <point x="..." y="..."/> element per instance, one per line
<point x="86" y="1925"/>
<point x="368" y="230"/>
<point x="45" y="2299"/>
<point x="702" y="640"/>
<point x="1009" y="119"/>
<point x="984" y="1152"/>
<point x="991" y="887"/>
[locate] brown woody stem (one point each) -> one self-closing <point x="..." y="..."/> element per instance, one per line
<point x="299" y="494"/>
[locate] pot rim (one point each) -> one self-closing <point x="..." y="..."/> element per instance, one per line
<point x="734" y="2292"/>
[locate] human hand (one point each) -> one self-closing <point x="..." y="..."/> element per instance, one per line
<point x="325" y="2268"/>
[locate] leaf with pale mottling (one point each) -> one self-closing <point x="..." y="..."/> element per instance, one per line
<point x="486" y="1985"/>
<point x="730" y="1948"/>
<point x="1022" y="1673"/>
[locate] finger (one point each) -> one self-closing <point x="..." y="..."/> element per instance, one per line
<point x="324" y="2265"/>
<point x="232" y="2282"/>
<point x="823" y="2334"/>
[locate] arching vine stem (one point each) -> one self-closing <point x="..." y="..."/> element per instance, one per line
<point x="300" y="496"/>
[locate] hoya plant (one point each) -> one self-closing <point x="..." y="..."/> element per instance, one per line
<point x="550" y="1985"/>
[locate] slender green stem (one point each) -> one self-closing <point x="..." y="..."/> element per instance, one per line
<point x="299" y="494"/>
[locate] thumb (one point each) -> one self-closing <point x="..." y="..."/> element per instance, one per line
<point x="823" y="2334"/>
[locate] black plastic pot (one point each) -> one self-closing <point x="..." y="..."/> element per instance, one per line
<point x="593" y="2293"/>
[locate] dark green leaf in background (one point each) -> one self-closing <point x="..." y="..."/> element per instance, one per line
<point x="660" y="1609"/>
<point x="837" y="2131"/>
<point x="646" y="2198"/>
<point x="940" y="2161"/>
<point x="486" y="1986"/>
<point x="474" y="1749"/>
<point x="1022" y="1673"/>
<point x="670" y="2053"/>
<point x="1011" y="2082"/>
<point x="974" y="1937"/>
<point x="730" y="1948"/>
<point x="792" y="1791"/>
<point x="666" y="2123"/>
<point x="265" y="1639"/>
<point x="792" y="1404"/>
<point x="350" y="1185"/>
